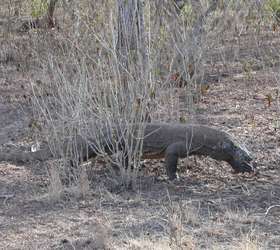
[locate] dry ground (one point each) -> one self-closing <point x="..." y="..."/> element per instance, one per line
<point x="209" y="208"/>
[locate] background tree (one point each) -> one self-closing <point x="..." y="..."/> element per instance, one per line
<point x="131" y="46"/>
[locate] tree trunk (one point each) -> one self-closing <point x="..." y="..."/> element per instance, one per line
<point x="131" y="51"/>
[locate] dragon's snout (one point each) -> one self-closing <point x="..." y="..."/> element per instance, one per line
<point x="245" y="167"/>
<point x="243" y="161"/>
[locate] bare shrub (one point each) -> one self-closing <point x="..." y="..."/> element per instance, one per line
<point x="86" y="97"/>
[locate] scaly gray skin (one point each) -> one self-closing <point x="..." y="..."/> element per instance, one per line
<point x="179" y="141"/>
<point x="162" y="140"/>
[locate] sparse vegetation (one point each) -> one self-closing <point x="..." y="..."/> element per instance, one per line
<point x="273" y="6"/>
<point x="81" y="67"/>
<point x="38" y="7"/>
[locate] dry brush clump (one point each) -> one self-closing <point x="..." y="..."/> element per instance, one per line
<point x="87" y="96"/>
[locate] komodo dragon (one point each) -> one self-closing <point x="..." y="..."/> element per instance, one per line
<point x="162" y="140"/>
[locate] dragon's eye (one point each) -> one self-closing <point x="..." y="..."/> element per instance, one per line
<point x="226" y="145"/>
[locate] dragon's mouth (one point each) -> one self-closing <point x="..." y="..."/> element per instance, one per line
<point x="245" y="167"/>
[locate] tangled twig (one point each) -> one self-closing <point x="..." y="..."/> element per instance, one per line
<point x="267" y="211"/>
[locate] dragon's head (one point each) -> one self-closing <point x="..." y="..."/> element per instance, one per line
<point x="239" y="156"/>
<point x="242" y="160"/>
